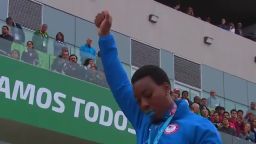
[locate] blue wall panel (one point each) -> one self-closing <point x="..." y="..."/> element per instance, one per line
<point x="235" y="89"/>
<point x="212" y="79"/>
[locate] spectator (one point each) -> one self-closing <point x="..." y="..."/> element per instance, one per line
<point x="190" y="11"/>
<point x="239" y="30"/>
<point x="252" y="108"/>
<point x="208" y="19"/>
<point x="30" y="56"/>
<point x="247" y="134"/>
<point x="217" y="109"/>
<point x="40" y="38"/>
<point x="221" y="112"/>
<point x="253" y="129"/>
<point x="195" y="108"/>
<point x="213" y="100"/>
<point x="60" y="62"/>
<point x="223" y="24"/>
<point x="205" y="113"/>
<point x="87" y="51"/>
<point x="15" y="30"/>
<point x="250" y="117"/>
<point x="184" y="95"/>
<point x="5" y="41"/>
<point x="215" y="120"/>
<point x="15" y="54"/>
<point x="96" y="76"/>
<point x="226" y="128"/>
<point x="73" y="69"/>
<point x="239" y="126"/>
<point x="197" y="100"/>
<point x="232" y="27"/>
<point x="177" y="7"/>
<point x="204" y="104"/>
<point x="176" y="94"/>
<point x="233" y="119"/>
<point x="59" y="43"/>
<point x="226" y="115"/>
<point x="89" y="64"/>
<point x="240" y="114"/>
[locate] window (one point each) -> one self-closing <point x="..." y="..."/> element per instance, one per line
<point x="143" y="54"/>
<point x="187" y="72"/>
<point x="25" y="12"/>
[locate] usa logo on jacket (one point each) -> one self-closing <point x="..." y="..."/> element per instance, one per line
<point x="172" y="128"/>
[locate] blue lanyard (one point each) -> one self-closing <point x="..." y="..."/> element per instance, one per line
<point x="160" y="132"/>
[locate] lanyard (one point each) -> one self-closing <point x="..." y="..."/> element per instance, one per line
<point x="160" y="132"/>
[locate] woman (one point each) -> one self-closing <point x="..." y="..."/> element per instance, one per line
<point x="247" y="134"/>
<point x="253" y="129"/>
<point x="59" y="44"/>
<point x="15" y="54"/>
<point x="30" y="56"/>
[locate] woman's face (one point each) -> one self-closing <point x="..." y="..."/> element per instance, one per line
<point x="247" y="127"/>
<point x="30" y="45"/>
<point x="254" y="123"/>
<point x="15" y="54"/>
<point x="59" y="37"/>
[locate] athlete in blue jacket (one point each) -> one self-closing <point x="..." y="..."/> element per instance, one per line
<point x="147" y="103"/>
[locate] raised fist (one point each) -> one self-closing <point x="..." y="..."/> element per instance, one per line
<point x="103" y="22"/>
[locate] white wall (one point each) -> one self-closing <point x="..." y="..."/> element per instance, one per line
<point x="175" y="31"/>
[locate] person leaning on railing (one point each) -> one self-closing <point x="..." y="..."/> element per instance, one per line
<point x="15" y="30"/>
<point x="5" y="41"/>
<point x="59" y="43"/>
<point x="40" y="38"/>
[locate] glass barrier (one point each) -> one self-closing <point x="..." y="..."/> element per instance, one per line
<point x="226" y="138"/>
<point x="48" y="56"/>
<point x="229" y="139"/>
<point x="237" y="140"/>
<point x="72" y="69"/>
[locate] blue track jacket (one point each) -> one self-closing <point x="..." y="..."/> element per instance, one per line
<point x="185" y="127"/>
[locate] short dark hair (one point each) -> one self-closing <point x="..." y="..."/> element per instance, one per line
<point x="62" y="35"/>
<point x="241" y="111"/>
<point x="215" y="112"/>
<point x="86" y="62"/>
<point x="226" y="112"/>
<point x="217" y="108"/>
<point x="8" y="18"/>
<point x="224" y="118"/>
<point x="5" y="27"/>
<point x="222" y="108"/>
<point x="204" y="99"/>
<point x="30" y="42"/>
<point x="72" y="55"/>
<point x="184" y="92"/>
<point x="233" y="110"/>
<point x="154" y="72"/>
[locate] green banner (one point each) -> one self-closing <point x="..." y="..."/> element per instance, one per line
<point x="56" y="102"/>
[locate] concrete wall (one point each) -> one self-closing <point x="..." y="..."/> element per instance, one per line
<point x="175" y="31"/>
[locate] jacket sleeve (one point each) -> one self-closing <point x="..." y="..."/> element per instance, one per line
<point x="118" y="81"/>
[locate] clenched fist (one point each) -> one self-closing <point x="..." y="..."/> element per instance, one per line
<point x="103" y="22"/>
